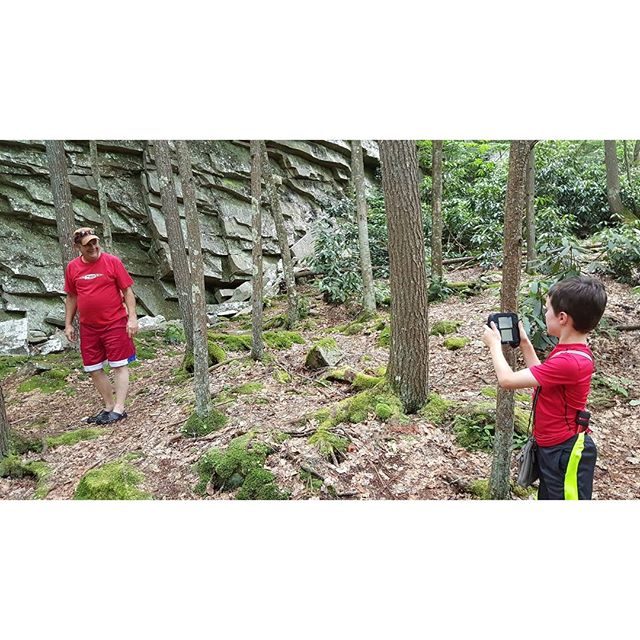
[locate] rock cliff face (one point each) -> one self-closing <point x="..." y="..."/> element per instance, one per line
<point x="314" y="175"/>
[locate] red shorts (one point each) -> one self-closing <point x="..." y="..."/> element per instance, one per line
<point x="106" y="345"/>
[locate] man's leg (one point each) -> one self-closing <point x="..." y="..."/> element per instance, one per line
<point x="121" y="384"/>
<point x="103" y="387"/>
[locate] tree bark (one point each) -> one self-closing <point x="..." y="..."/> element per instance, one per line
<point x="65" y="219"/>
<point x="531" y="220"/>
<point x="628" y="171"/>
<point x="613" y="177"/>
<point x="512" y="250"/>
<point x="4" y="428"/>
<point x="180" y="264"/>
<point x="357" y="176"/>
<point x="257" y="347"/>
<point x="436" y="209"/>
<point x="102" y="198"/>
<point x="636" y="152"/>
<point x="408" y="371"/>
<point x="198" y="303"/>
<point x="283" y="240"/>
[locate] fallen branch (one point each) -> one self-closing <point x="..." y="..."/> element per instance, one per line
<point x="626" y="327"/>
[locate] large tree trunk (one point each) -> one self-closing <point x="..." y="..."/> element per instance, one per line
<point x="102" y="198"/>
<point x="436" y="209"/>
<point x="531" y="220"/>
<point x="613" y="177"/>
<point x="512" y="250"/>
<point x="180" y="264"/>
<point x="408" y="370"/>
<point x="4" y="428"/>
<point x="257" y="347"/>
<point x="198" y="303"/>
<point x="283" y="240"/>
<point x="357" y="176"/>
<point x="65" y="219"/>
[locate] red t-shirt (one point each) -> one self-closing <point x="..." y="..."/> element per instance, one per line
<point x="99" y="287"/>
<point x="565" y="381"/>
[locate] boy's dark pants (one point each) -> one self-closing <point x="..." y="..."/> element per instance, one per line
<point x="566" y="470"/>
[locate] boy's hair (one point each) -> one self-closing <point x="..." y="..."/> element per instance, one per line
<point x="581" y="297"/>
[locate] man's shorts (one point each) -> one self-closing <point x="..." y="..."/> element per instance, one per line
<point x="110" y="345"/>
<point x="566" y="470"/>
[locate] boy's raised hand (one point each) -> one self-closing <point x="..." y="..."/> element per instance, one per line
<point x="491" y="335"/>
<point x="524" y="338"/>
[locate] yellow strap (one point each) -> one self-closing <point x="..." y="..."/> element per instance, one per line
<point x="571" y="475"/>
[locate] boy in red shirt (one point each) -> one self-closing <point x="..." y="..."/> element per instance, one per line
<point x="566" y="453"/>
<point x="99" y="288"/>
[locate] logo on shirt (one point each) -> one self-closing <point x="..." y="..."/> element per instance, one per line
<point x="90" y="276"/>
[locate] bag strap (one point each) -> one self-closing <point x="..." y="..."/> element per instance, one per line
<point x="575" y="352"/>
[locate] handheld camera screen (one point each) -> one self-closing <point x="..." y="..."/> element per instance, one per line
<point x="507" y="325"/>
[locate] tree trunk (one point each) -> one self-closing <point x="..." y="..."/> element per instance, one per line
<point x="512" y="250"/>
<point x="613" y="177"/>
<point x="283" y="240"/>
<point x="257" y="348"/>
<point x="65" y="219"/>
<point x="102" y="198"/>
<point x="628" y="171"/>
<point x="4" y="428"/>
<point x="636" y="152"/>
<point x="357" y="176"/>
<point x="408" y="371"/>
<point x="180" y="264"/>
<point x="198" y="303"/>
<point x="531" y="220"/>
<point x="436" y="209"/>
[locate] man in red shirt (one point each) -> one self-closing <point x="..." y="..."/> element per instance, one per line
<point x="566" y="453"/>
<point x="98" y="287"/>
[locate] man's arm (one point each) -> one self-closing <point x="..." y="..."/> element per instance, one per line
<point x="70" y="306"/>
<point x="130" y="303"/>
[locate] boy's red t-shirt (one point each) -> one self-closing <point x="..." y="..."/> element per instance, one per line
<point x="565" y="382"/>
<point x="99" y="287"/>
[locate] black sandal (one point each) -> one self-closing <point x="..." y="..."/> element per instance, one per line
<point x="111" y="416"/>
<point x="99" y="416"/>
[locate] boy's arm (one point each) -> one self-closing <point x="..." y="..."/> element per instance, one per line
<point x="528" y="352"/>
<point x="507" y="378"/>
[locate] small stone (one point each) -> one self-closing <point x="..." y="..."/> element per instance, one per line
<point x="36" y="337"/>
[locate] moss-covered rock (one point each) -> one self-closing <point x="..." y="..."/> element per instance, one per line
<point x="455" y="343"/>
<point x="260" y="484"/>
<point x="282" y="339"/>
<point x="216" y="355"/>
<point x="47" y="382"/>
<point x="324" y="353"/>
<point x="228" y="468"/>
<point x="444" y="327"/>
<point x="116" y="480"/>
<point x="232" y="341"/>
<point x="438" y="410"/>
<point x="363" y="381"/>
<point x="353" y="329"/>
<point x="196" y="427"/>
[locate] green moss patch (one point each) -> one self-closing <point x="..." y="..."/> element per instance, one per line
<point x="10" y="364"/>
<point x="196" y="427"/>
<point x="73" y="437"/>
<point x="329" y="444"/>
<point x="384" y="339"/>
<point x="282" y="339"/>
<point x="116" y="480"/>
<point x="353" y="329"/>
<point x="146" y="346"/>
<point x="232" y="341"/>
<point x="364" y="381"/>
<point x="282" y="376"/>
<point x="455" y="343"/>
<point x="47" y="382"/>
<point x="23" y="443"/>
<point x="276" y="322"/>
<point x="248" y="388"/>
<point x="260" y="484"/>
<point x="438" y="410"/>
<point x="216" y="355"/>
<point x="228" y="468"/>
<point x="444" y="327"/>
<point x="13" y="467"/>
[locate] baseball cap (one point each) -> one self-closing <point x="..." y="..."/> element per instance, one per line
<point x="83" y="235"/>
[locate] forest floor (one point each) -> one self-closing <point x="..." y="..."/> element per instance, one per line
<point x="396" y="459"/>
